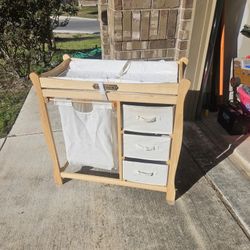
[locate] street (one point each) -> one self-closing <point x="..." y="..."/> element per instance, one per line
<point x="79" y="25"/>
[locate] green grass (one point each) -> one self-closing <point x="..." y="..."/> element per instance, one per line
<point x="11" y="103"/>
<point x="88" y="12"/>
<point x="70" y="44"/>
<point x="77" y="42"/>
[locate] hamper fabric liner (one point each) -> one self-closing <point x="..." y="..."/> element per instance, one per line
<point x="89" y="131"/>
<point x="90" y="136"/>
<point x="116" y="71"/>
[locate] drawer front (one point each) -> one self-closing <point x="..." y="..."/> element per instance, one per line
<point x="147" y="147"/>
<point x="148" y="119"/>
<point x="146" y="173"/>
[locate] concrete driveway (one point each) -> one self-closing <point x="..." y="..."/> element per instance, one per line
<point x="37" y="214"/>
<point x="79" y="25"/>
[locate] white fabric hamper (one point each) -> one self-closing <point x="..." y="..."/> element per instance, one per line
<point x="90" y="136"/>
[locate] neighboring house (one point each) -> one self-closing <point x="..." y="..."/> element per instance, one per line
<point x="87" y="2"/>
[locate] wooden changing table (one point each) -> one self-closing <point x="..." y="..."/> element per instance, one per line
<point x="48" y="87"/>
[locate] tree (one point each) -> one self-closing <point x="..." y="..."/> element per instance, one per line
<point x="26" y="32"/>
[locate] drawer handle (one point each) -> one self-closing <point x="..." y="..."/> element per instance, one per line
<point x="144" y="173"/>
<point x="148" y="120"/>
<point x="147" y="148"/>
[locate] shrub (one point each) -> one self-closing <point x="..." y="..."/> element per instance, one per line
<point x="26" y="32"/>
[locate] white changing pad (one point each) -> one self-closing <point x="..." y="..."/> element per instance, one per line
<point x="110" y="71"/>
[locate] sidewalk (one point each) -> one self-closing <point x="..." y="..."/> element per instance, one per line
<point x="238" y="145"/>
<point x="218" y="164"/>
<point x="211" y="212"/>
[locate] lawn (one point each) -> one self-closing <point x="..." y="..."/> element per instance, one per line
<point x="73" y="43"/>
<point x="77" y="42"/>
<point x="11" y="102"/>
<point x="13" y="97"/>
<point x="88" y="12"/>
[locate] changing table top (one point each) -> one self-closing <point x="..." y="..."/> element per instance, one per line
<point x="120" y="71"/>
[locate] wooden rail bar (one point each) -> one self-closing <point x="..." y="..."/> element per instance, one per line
<point x="113" y="181"/>
<point x="159" y="88"/>
<point x="112" y="96"/>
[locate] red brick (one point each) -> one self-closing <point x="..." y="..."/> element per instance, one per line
<point x="161" y="4"/>
<point x="153" y="32"/>
<point x="163" y="20"/>
<point x="158" y="44"/>
<point x="187" y="3"/>
<point x="141" y="4"/>
<point x="123" y="55"/>
<point x="136" y="18"/>
<point x="186" y="14"/>
<point x="145" y="19"/>
<point x="172" y="22"/>
<point x="181" y="45"/>
<point x="127" y="25"/>
<point x="171" y="53"/>
<point x="136" y="54"/>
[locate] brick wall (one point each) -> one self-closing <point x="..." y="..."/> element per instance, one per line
<point x="103" y="19"/>
<point x="145" y="29"/>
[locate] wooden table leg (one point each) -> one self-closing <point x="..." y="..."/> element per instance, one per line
<point x="176" y="140"/>
<point x="119" y="136"/>
<point x="47" y="128"/>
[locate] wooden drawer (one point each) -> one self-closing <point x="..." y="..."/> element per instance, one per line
<point x="148" y="119"/>
<point x="147" y="173"/>
<point x="147" y="147"/>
